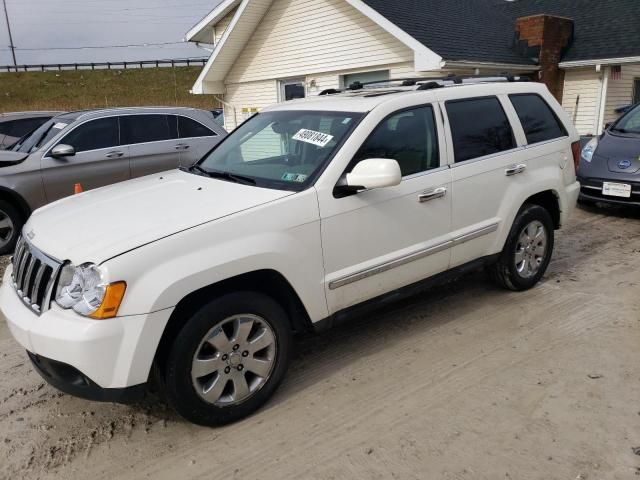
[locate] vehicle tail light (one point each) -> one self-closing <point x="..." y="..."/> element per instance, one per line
<point x="575" y="148"/>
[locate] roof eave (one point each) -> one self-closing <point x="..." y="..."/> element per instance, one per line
<point x="490" y="65"/>
<point x="210" y="19"/>
<point x="599" y="61"/>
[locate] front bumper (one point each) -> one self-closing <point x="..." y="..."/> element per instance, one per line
<point x="70" y="380"/>
<point x="107" y="354"/>
<point x="591" y="189"/>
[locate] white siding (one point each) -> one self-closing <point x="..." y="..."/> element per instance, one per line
<point x="248" y="95"/>
<point x="620" y="92"/>
<point x="220" y="27"/>
<point x="296" y="37"/>
<point x="580" y="98"/>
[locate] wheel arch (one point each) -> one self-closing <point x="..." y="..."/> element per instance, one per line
<point x="16" y="199"/>
<point x="269" y="282"/>
<point x="550" y="201"/>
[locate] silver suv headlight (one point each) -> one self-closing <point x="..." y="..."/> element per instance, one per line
<point x="85" y="290"/>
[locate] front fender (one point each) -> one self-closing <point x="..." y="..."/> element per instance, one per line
<point x="160" y="274"/>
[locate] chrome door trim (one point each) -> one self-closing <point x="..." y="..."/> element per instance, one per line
<point x="467" y="237"/>
<point x="412" y="257"/>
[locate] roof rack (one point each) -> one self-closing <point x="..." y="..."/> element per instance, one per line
<point x="427" y="83"/>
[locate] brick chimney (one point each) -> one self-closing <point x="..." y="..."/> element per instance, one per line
<point x="545" y="38"/>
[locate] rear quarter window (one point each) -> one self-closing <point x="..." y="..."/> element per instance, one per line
<point x="539" y="122"/>
<point x="479" y="127"/>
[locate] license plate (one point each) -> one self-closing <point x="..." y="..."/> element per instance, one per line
<point x="616" y="189"/>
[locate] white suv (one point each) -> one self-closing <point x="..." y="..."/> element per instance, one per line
<point x="309" y="211"/>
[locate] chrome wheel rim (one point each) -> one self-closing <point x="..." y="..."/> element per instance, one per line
<point x="234" y="360"/>
<point x="6" y="228"/>
<point x="531" y="249"/>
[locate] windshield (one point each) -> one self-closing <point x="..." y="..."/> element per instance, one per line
<point x="39" y="137"/>
<point x="284" y="150"/>
<point x="629" y="123"/>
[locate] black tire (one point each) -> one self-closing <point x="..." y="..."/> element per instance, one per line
<point x="505" y="271"/>
<point x="8" y="237"/>
<point x="179" y="387"/>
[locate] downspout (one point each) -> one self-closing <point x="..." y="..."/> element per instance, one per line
<point x="602" y="101"/>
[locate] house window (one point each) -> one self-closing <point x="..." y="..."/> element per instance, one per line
<point x="636" y="90"/>
<point x="364" y="77"/>
<point x="292" y="89"/>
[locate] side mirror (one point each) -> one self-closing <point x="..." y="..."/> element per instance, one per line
<point x="370" y="173"/>
<point x="61" y="150"/>
<point x="607" y="125"/>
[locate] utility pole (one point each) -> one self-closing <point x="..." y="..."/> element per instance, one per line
<point x="12" y="47"/>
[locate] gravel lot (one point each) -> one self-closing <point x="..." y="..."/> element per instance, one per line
<point x="466" y="382"/>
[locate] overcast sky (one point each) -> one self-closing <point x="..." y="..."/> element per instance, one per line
<point x="41" y="25"/>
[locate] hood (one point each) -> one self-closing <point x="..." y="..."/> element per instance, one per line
<point x="8" y="158"/>
<point x="622" y="152"/>
<point x="103" y="223"/>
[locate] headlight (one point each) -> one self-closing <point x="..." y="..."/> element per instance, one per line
<point x="85" y="290"/>
<point x="589" y="149"/>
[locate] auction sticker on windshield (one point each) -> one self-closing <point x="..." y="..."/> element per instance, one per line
<point x="311" y="136"/>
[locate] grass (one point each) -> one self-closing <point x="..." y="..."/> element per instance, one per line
<point x="77" y="90"/>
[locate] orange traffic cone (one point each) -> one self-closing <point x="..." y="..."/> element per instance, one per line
<point x="77" y="188"/>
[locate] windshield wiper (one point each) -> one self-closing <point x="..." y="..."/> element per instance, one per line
<point x="197" y="168"/>
<point x="231" y="177"/>
<point x="624" y="130"/>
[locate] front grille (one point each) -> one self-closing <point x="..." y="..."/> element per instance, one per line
<point x="34" y="274"/>
<point x="593" y="188"/>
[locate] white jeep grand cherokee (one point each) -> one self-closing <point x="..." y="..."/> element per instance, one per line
<point x="309" y="211"/>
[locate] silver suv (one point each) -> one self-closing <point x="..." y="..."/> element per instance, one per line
<point x="96" y="148"/>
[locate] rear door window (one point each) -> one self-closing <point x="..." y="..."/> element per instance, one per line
<point x="538" y="120"/>
<point x="189" y="128"/>
<point x="479" y="127"/>
<point x="146" y="128"/>
<point x="94" y="135"/>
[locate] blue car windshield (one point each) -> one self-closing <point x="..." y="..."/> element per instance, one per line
<point x="629" y="123"/>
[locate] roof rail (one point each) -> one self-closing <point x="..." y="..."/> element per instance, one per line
<point x="427" y="83"/>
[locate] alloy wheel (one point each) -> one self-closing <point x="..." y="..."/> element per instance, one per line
<point x="234" y="360"/>
<point x="6" y="228"/>
<point x="531" y="249"/>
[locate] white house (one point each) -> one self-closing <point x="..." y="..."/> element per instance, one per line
<point x="266" y="51"/>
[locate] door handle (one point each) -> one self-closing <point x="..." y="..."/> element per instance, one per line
<point x="515" y="169"/>
<point x="182" y="146"/>
<point x="114" y="154"/>
<point x="432" y="194"/>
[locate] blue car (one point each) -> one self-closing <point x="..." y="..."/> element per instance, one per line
<point x="610" y="164"/>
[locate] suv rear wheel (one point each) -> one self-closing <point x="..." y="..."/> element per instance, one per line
<point x="527" y="251"/>
<point x="228" y="359"/>
<point x="10" y="226"/>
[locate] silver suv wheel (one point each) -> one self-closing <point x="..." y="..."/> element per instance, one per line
<point x="6" y="228"/>
<point x="531" y="249"/>
<point x="234" y="360"/>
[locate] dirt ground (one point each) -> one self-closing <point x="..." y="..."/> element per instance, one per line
<point x="465" y="382"/>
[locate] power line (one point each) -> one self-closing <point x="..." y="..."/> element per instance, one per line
<point x="91" y="47"/>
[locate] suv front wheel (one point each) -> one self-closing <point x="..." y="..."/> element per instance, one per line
<point x="228" y="359"/>
<point x="527" y="251"/>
